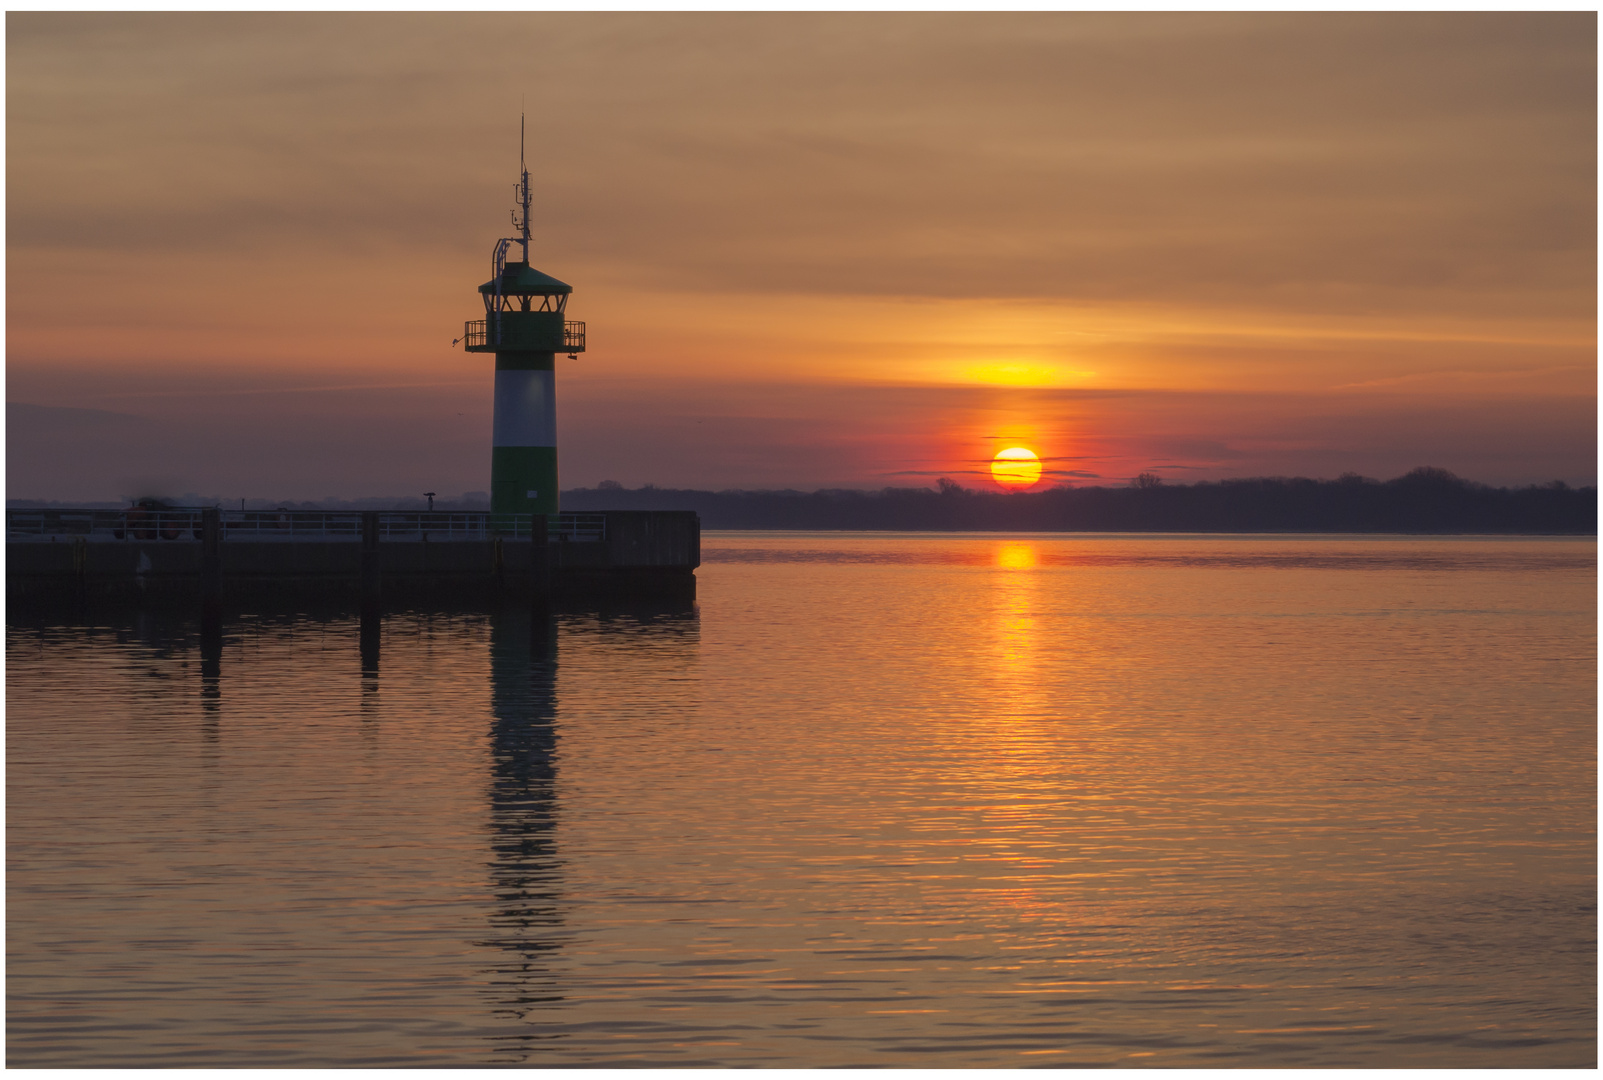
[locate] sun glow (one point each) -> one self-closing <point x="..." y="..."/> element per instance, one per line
<point x="1016" y="467"/>
<point x="1024" y="373"/>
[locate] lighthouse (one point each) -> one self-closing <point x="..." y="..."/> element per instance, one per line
<point x="525" y="325"/>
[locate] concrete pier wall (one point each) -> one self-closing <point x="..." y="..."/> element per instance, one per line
<point x="643" y="553"/>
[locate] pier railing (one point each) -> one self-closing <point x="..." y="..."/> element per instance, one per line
<point x="181" y="524"/>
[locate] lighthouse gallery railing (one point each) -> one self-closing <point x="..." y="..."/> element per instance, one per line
<point x="476" y="334"/>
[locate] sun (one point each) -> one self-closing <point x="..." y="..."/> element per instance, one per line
<point x="1016" y="467"/>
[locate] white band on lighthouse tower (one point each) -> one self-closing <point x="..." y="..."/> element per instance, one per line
<point x="525" y="408"/>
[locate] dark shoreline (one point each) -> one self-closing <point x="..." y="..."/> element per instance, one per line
<point x="1424" y="502"/>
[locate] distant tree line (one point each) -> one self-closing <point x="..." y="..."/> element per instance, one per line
<point x="1427" y="500"/>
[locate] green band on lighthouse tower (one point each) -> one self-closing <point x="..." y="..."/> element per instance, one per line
<point x="525" y="326"/>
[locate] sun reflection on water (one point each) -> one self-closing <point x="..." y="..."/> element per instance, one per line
<point x="1016" y="556"/>
<point x="1017" y="597"/>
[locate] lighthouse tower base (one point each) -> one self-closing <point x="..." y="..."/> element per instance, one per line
<point x="523" y="480"/>
<point x="523" y="461"/>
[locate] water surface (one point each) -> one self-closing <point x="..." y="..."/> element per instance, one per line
<point x="877" y="800"/>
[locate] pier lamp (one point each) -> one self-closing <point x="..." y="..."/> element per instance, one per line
<point x="525" y="326"/>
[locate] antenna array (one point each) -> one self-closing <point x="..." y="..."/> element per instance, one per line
<point x="521" y="193"/>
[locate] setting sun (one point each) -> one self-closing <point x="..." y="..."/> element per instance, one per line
<point x="1016" y="467"/>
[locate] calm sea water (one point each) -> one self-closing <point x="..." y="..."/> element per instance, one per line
<point x="877" y="800"/>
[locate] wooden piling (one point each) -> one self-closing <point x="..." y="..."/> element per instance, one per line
<point x="211" y="555"/>
<point x="372" y="570"/>
<point x="540" y="559"/>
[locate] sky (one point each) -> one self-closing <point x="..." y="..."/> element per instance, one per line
<point x="811" y="249"/>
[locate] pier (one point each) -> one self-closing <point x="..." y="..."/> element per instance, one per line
<point x="210" y="551"/>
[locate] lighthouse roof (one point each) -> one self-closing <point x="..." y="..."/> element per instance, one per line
<point x="521" y="279"/>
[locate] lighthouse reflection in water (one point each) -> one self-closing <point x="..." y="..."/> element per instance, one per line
<point x="525" y="879"/>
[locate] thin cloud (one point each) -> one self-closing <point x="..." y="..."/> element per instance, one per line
<point x="256" y="391"/>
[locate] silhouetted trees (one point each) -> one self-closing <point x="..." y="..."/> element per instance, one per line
<point x="1426" y="500"/>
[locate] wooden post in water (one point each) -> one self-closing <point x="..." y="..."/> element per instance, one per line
<point x="540" y="559"/>
<point x="211" y="614"/>
<point x="372" y="572"/>
<point x="211" y="555"/>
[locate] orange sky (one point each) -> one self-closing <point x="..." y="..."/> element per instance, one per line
<point x="811" y="249"/>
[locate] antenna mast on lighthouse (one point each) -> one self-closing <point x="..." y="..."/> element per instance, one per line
<point x="521" y="192"/>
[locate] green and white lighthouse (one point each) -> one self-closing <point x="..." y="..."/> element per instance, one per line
<point x="525" y="325"/>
